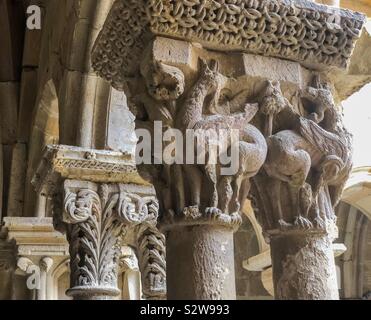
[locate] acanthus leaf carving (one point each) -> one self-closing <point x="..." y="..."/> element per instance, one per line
<point x="152" y="260"/>
<point x="134" y="209"/>
<point x="95" y="217"/>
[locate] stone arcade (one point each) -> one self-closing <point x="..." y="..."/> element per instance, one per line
<point x="274" y="71"/>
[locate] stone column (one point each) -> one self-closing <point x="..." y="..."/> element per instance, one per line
<point x="45" y="265"/>
<point x="213" y="78"/>
<point x="294" y="197"/>
<point x="200" y="262"/>
<point x="304" y="266"/>
<point x="94" y="210"/>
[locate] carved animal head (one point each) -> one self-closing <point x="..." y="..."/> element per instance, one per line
<point x="321" y="98"/>
<point x="164" y="82"/>
<point x="331" y="167"/>
<point x="209" y="72"/>
<point x="214" y="81"/>
<point x="272" y="101"/>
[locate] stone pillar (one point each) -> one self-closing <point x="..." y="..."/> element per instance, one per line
<point x="200" y="262"/>
<point x="41" y="205"/>
<point x="294" y="197"/>
<point x="304" y="266"/>
<point x="45" y="265"/>
<point x="94" y="210"/>
<point x="214" y="79"/>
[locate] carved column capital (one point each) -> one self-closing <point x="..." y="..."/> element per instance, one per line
<point x="309" y="160"/>
<point x="293" y="152"/>
<point x="94" y="211"/>
<point x="95" y="217"/>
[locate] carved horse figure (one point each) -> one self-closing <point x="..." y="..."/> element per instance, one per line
<point x="252" y="147"/>
<point x="326" y="150"/>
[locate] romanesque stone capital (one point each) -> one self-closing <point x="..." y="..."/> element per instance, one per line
<point x="294" y="196"/>
<point x="95" y="217"/>
<point x="95" y="212"/>
<point x="308" y="162"/>
<point x="293" y="151"/>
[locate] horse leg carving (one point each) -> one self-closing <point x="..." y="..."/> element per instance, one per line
<point x="194" y="179"/>
<point x="211" y="174"/>
<point x="225" y="193"/>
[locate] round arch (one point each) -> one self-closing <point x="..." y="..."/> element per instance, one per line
<point x="44" y="131"/>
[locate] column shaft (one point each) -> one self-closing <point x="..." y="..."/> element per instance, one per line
<point x="304" y="267"/>
<point x="200" y="262"/>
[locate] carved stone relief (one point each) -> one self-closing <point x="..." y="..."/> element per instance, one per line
<point x="307" y="164"/>
<point x="95" y="217"/>
<point x="295" y="30"/>
<point x="294" y="152"/>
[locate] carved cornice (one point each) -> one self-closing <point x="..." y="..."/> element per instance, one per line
<point x="60" y="161"/>
<point x="315" y="35"/>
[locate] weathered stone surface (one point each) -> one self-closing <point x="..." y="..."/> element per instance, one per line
<point x="17" y="178"/>
<point x="304" y="268"/>
<point x="93" y="165"/>
<point x="297" y="30"/>
<point x="209" y="271"/>
<point x="266" y="56"/>
<point x="120" y="134"/>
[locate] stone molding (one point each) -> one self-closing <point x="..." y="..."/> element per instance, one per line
<point x="35" y="237"/>
<point x="315" y="35"/>
<point x="68" y="162"/>
<point x="193" y="216"/>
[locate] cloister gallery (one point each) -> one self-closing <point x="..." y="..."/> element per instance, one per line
<point x="89" y="87"/>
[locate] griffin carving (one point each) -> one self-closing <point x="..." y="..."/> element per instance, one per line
<point x="313" y="158"/>
<point x="199" y="107"/>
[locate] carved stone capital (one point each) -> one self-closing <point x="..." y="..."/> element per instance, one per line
<point x="95" y="210"/>
<point x="294" y="154"/>
<point x="152" y="260"/>
<point x="95" y="217"/>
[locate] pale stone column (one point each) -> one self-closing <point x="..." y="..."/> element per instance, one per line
<point x="131" y="277"/>
<point x="41" y="205"/>
<point x="213" y="77"/>
<point x="45" y="265"/>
